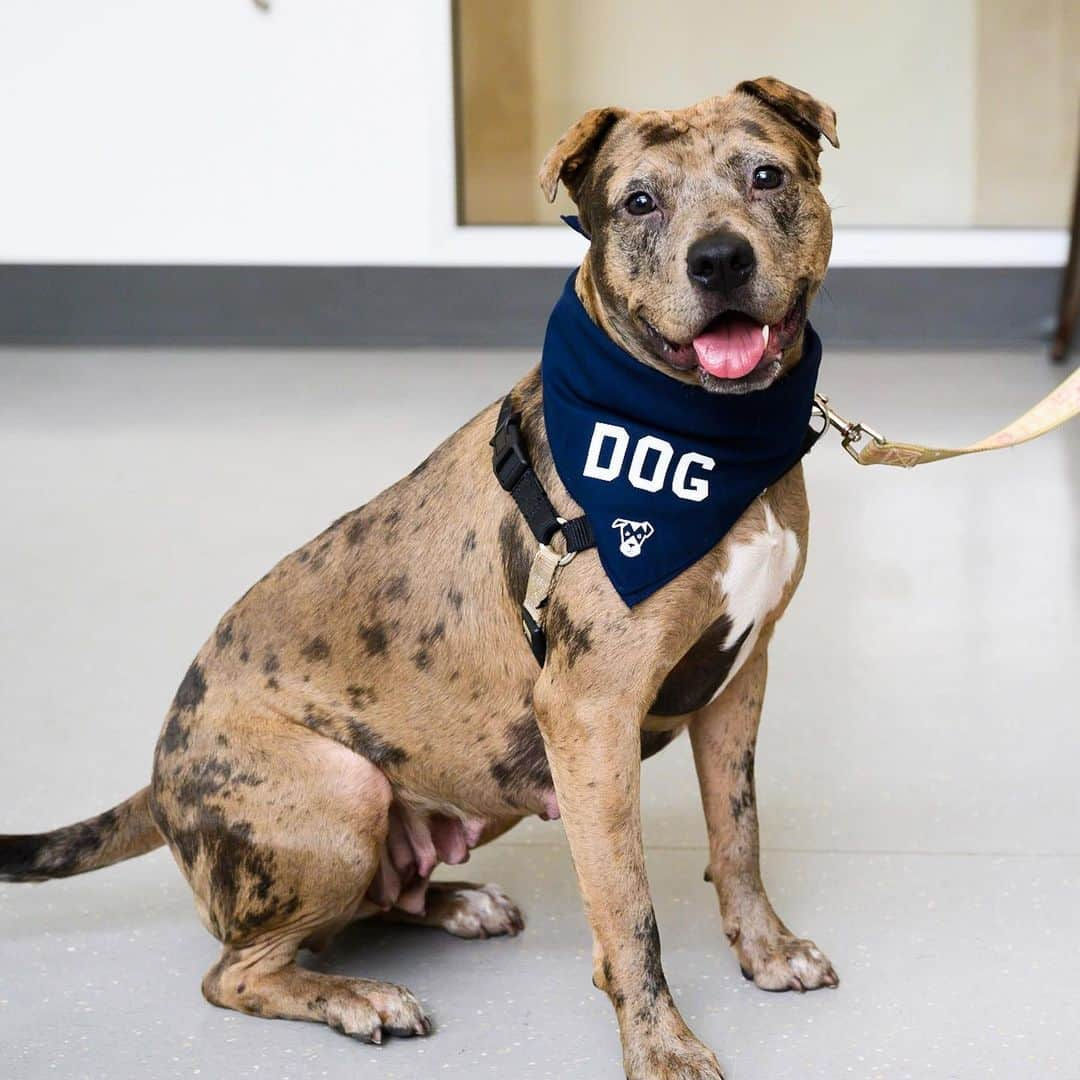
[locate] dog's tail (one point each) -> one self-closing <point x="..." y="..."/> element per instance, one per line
<point x="121" y="833"/>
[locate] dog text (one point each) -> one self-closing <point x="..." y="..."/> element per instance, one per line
<point x="649" y="463"/>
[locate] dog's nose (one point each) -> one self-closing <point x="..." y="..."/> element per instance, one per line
<point x="721" y="261"/>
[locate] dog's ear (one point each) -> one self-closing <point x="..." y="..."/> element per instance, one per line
<point x="812" y="117"/>
<point x="618" y="523"/>
<point x="648" y="530"/>
<point x="569" y="159"/>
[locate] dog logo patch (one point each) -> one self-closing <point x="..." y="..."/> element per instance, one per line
<point x="632" y="536"/>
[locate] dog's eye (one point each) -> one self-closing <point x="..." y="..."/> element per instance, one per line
<point x="640" y="203"/>
<point x="767" y="177"/>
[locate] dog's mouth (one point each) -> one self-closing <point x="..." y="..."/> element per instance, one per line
<point x="733" y="345"/>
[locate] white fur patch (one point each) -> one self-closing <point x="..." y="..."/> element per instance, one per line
<point x="757" y="573"/>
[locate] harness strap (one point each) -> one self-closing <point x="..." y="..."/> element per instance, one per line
<point x="513" y="469"/>
<point x="515" y="474"/>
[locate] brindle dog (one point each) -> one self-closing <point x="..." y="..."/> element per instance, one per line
<point x="370" y="708"/>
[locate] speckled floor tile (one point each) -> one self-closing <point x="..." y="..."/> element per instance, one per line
<point x="951" y="966"/>
<point x="916" y="768"/>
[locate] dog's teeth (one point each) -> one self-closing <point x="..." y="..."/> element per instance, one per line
<point x="765" y="334"/>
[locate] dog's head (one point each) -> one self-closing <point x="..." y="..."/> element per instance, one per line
<point x="709" y="232"/>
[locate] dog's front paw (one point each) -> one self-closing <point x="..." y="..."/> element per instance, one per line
<point x="785" y="962"/>
<point x="686" y="1059"/>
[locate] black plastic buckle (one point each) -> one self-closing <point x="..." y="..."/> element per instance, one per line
<point x="510" y="461"/>
<point x="536" y="637"/>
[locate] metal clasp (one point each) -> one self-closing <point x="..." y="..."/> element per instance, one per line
<point x="851" y="431"/>
<point x="545" y="565"/>
<point x="568" y="556"/>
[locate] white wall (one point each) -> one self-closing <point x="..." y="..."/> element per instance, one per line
<point x="204" y="131"/>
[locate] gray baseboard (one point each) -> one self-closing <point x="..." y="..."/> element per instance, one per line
<point x="481" y="306"/>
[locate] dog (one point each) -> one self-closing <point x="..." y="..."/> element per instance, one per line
<point x="369" y="709"/>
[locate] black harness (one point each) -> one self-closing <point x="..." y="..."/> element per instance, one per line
<point x="514" y="471"/>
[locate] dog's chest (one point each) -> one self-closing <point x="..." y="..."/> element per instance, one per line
<point x="751" y="585"/>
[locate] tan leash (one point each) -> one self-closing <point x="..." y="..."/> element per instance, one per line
<point x="1054" y="410"/>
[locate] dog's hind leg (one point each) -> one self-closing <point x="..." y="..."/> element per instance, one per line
<point x="265" y="980"/>
<point x="724" y="737"/>
<point x="466" y="910"/>
<point x="279" y="831"/>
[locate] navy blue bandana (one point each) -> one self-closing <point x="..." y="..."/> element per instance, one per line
<point x="661" y="468"/>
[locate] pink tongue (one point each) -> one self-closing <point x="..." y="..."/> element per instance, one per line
<point x="732" y="349"/>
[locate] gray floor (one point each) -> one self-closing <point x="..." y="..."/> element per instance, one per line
<point x="917" y="766"/>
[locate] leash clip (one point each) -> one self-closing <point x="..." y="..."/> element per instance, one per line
<point x="851" y="431"/>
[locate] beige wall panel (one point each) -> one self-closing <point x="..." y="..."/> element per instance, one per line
<point x="495" y="110"/>
<point x="951" y="112"/>
<point x="899" y="74"/>
<point x="1028" y="110"/>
